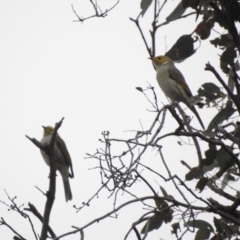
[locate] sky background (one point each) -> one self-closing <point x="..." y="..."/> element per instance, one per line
<point x="54" y="67"/>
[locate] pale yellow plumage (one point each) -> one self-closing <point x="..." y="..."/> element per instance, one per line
<point x="62" y="157"/>
<point x="173" y="83"/>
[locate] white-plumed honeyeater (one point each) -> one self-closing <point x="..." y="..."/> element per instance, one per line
<point x="173" y="83"/>
<point x="62" y="158"/>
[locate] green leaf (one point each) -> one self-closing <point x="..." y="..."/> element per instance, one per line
<point x="203" y="29"/>
<point x="235" y="230"/>
<point x="227" y="58"/>
<point x="168" y="216"/>
<point x="223" y="169"/>
<point x="237" y="98"/>
<point x="217" y="237"/>
<point x="222" y="41"/>
<point x="227" y="178"/>
<point x="160" y="204"/>
<point x="205" y="2"/>
<point x="228" y="55"/>
<point x="237" y="65"/>
<point x="210" y="162"/>
<point x="217" y="225"/>
<point x="204" y="227"/>
<point x="145" y="4"/>
<point x="210" y="92"/>
<point x="175" y="227"/>
<point x="190" y="3"/>
<point x="237" y="130"/>
<point x="164" y="192"/>
<point x="202" y="183"/>
<point x="155" y="222"/>
<point x="231" y="83"/>
<point x="223" y="228"/>
<point x="182" y="49"/>
<point x="223" y="115"/>
<point x="223" y="157"/>
<point x="139" y="89"/>
<point x="194" y="173"/>
<point x="210" y="167"/>
<point x="201" y="224"/>
<point x="210" y="157"/>
<point x="202" y="234"/>
<point x="224" y="160"/>
<point x="176" y="13"/>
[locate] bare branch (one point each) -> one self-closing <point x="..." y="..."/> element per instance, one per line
<point x="3" y="222"/>
<point x="34" y="211"/>
<point x="136" y="21"/>
<point x="13" y="206"/>
<point x="97" y="9"/>
<point x="97" y="220"/>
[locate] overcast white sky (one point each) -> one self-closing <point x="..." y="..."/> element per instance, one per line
<point x="52" y="67"/>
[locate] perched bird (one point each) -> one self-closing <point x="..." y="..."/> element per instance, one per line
<point x="173" y="83"/>
<point x="62" y="158"/>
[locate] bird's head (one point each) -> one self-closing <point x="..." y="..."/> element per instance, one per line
<point x="159" y="60"/>
<point x="47" y="130"/>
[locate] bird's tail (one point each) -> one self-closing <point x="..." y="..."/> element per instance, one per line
<point x="197" y="115"/>
<point x="67" y="188"/>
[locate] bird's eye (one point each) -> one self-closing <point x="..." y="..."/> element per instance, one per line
<point x="159" y="58"/>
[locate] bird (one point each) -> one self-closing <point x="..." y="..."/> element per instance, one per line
<point x="62" y="158"/>
<point x="173" y="83"/>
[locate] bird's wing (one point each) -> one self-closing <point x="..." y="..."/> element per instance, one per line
<point x="63" y="148"/>
<point x="177" y="76"/>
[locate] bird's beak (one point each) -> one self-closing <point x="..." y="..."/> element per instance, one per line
<point x="43" y="127"/>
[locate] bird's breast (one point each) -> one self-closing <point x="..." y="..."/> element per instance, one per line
<point x="56" y="152"/>
<point x="170" y="87"/>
